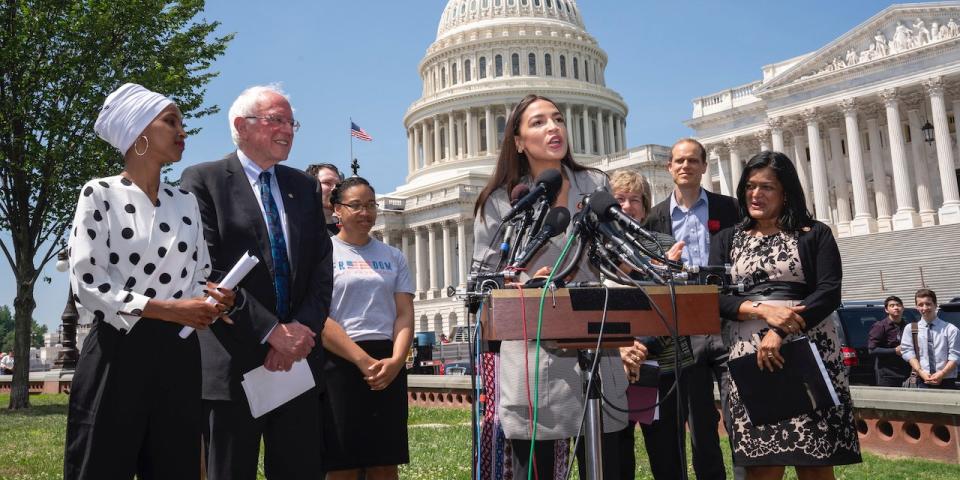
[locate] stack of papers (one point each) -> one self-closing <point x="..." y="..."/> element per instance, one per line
<point x="268" y="390"/>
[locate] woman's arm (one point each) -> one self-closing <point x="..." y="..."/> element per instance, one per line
<point x="829" y="273"/>
<point x="402" y="338"/>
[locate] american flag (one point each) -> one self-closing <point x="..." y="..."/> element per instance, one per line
<point x="358" y="132"/>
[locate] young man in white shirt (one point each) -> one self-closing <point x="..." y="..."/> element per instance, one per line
<point x="937" y="352"/>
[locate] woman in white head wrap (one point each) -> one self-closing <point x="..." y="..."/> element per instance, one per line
<point x="138" y="270"/>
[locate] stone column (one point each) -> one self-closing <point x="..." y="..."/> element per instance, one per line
<point x="723" y="170"/>
<point x="928" y="216"/>
<point x="623" y="133"/>
<point x="736" y="165"/>
<point x="418" y="254"/>
<point x="611" y="135"/>
<point x="411" y="153"/>
<point x="451" y="148"/>
<point x="800" y="162"/>
<point x="950" y="211"/>
<point x="706" y="181"/>
<point x="463" y="252"/>
<point x="880" y="193"/>
<point x="447" y="256"/>
<point x="776" y="134"/>
<point x="471" y="142"/>
<point x="491" y="130"/>
<point x="587" y="137"/>
<point x="432" y="257"/>
<point x="387" y="236"/>
<point x="821" y="189"/>
<point x="436" y="139"/>
<point x="424" y="135"/>
<point x="839" y="173"/>
<point x="601" y="142"/>
<point x="863" y="222"/>
<point x="417" y="146"/>
<point x="763" y="138"/>
<point x="906" y="216"/>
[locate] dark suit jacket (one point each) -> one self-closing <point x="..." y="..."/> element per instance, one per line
<point x="719" y="207"/>
<point x="233" y="224"/>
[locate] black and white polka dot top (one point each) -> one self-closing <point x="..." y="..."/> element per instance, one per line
<point x="124" y="250"/>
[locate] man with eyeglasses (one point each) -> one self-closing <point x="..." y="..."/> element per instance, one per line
<point x="249" y="202"/>
<point x="329" y="176"/>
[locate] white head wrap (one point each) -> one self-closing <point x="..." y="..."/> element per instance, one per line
<point x="126" y="113"/>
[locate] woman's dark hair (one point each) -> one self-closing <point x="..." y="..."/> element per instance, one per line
<point x="337" y="192"/>
<point x="794" y="215"/>
<point x="512" y="165"/>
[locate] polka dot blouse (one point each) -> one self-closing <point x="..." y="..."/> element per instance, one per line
<point x="125" y="250"/>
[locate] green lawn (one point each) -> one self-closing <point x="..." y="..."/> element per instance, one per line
<point x="31" y="447"/>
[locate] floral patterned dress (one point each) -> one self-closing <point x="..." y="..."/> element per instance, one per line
<point x="824" y="437"/>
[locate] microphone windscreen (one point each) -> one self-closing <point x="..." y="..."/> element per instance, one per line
<point x="552" y="182"/>
<point x="557" y="219"/>
<point x="518" y="192"/>
<point x="600" y="203"/>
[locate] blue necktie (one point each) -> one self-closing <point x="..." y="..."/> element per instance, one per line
<point x="278" y="247"/>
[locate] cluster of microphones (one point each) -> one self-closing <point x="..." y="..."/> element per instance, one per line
<point x="613" y="241"/>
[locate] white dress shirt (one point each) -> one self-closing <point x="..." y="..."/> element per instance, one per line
<point x="253" y="171"/>
<point x="940" y="338"/>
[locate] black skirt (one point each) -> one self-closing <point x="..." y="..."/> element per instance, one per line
<point x="363" y="427"/>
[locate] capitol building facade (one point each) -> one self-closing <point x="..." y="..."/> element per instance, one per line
<point x="869" y="120"/>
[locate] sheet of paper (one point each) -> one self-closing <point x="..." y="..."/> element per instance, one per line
<point x="268" y="390"/>
<point x="230" y="281"/>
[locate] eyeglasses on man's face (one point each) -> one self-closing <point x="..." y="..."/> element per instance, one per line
<point x="357" y="206"/>
<point x="275" y="121"/>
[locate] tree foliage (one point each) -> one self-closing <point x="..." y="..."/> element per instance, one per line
<point x="58" y="61"/>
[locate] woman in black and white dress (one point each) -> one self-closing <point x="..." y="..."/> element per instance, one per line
<point x="138" y="267"/>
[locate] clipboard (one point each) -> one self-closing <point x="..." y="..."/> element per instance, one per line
<point x="801" y="386"/>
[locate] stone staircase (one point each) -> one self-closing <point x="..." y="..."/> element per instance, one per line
<point x="898" y="263"/>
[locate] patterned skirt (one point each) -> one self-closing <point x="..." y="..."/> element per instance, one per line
<point x="824" y="437"/>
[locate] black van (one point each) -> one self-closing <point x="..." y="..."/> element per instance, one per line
<point x="853" y="328"/>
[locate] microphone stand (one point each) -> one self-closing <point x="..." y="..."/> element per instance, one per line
<point x="593" y="432"/>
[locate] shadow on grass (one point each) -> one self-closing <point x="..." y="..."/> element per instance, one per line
<point x="35" y="411"/>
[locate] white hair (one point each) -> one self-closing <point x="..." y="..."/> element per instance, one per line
<point x="246" y="105"/>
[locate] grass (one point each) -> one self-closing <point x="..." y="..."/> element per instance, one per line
<point x="31" y="448"/>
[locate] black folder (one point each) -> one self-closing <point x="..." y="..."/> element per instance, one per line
<point x="801" y="386"/>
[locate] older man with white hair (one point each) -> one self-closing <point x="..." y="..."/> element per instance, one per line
<point x="250" y="202"/>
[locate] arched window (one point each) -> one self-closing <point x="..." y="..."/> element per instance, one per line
<point x="466" y="71"/>
<point x="485" y="4"/>
<point x="498" y="66"/>
<point x="536" y="3"/>
<point x="443" y="77"/>
<point x="482" y="68"/>
<point x="515" y="65"/>
<point x="576" y="69"/>
<point x="532" y="64"/>
<point x="501" y="126"/>
<point x="549" y="4"/>
<point x="424" y="324"/>
<point x="453" y="74"/>
<point x="524" y="2"/>
<point x="482" y="126"/>
<point x="586" y="70"/>
<point x="547" y="65"/>
<point x="563" y="66"/>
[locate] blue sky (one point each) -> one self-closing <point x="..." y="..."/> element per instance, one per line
<point x="359" y="59"/>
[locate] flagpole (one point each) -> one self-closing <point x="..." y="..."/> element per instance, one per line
<point x="350" y="132"/>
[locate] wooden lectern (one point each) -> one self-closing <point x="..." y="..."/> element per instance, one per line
<point x="573" y="315"/>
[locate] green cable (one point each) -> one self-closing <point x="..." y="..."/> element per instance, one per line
<point x="536" y="361"/>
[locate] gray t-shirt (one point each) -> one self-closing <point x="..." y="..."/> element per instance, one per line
<point x="365" y="278"/>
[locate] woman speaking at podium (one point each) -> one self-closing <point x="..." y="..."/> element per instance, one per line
<point x="790" y="267"/>
<point x="536" y="140"/>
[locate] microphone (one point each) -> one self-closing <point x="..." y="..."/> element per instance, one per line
<point x="547" y="183"/>
<point x="607" y="208"/>
<point x="516" y="194"/>
<point x="556" y="222"/>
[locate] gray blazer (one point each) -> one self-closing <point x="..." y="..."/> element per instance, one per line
<point x="561" y="387"/>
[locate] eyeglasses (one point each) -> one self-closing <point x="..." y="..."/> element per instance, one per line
<point x="276" y="121"/>
<point x="356" y="207"/>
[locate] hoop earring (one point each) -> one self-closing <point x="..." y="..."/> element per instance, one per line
<point x="137" y="150"/>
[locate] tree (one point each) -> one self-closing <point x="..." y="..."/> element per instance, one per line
<point x="58" y="61"/>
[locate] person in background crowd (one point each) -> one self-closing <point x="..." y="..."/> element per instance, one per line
<point x="366" y="428"/>
<point x="138" y="269"/>
<point x="6" y="363"/>
<point x="884" y="344"/>
<point x="693" y="216"/>
<point x="936" y="352"/>
<point x="790" y="266"/>
<point x="537" y="140"/>
<point x="329" y="176"/>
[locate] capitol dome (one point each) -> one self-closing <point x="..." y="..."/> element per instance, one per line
<point x="488" y="55"/>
